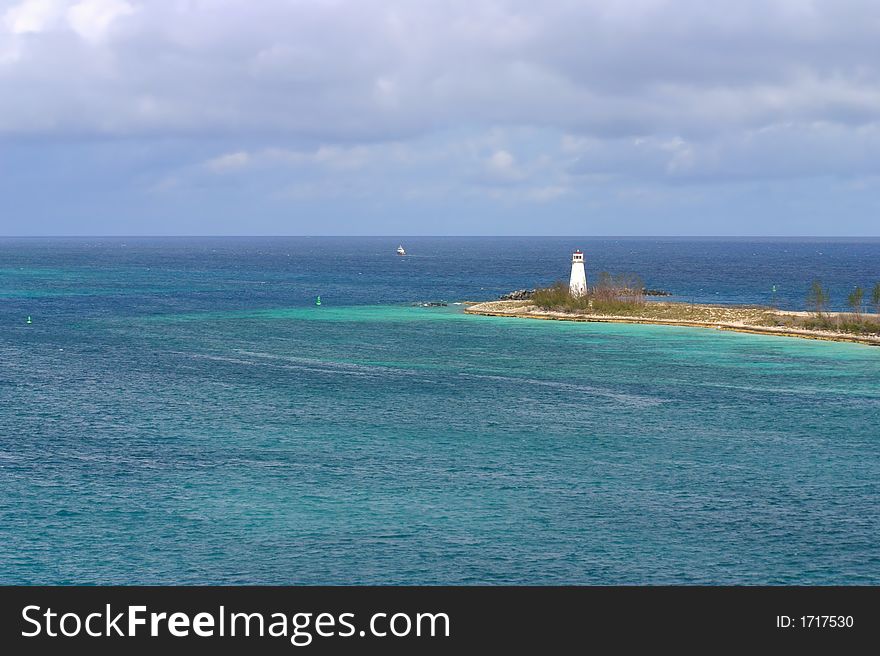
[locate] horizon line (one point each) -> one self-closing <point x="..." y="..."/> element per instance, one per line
<point x="402" y="236"/>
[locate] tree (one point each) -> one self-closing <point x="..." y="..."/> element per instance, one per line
<point x="854" y="300"/>
<point x="875" y="297"/>
<point x="817" y="298"/>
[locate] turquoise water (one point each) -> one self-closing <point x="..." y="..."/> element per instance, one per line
<point x="167" y="437"/>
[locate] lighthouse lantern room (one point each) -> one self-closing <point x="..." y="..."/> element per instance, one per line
<point x="577" y="285"/>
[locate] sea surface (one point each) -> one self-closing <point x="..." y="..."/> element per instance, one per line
<point x="180" y="411"/>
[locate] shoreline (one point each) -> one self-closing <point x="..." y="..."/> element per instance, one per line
<point x="525" y="310"/>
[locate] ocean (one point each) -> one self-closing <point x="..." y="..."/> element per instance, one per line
<point x="180" y="411"/>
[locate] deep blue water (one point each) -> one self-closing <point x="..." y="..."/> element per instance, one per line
<point x="149" y="275"/>
<point x="179" y="411"/>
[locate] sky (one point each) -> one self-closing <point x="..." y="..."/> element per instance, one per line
<point x="478" y="117"/>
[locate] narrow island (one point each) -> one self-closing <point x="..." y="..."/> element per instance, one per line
<point x="623" y="299"/>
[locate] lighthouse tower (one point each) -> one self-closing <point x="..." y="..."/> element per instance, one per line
<point x="577" y="285"/>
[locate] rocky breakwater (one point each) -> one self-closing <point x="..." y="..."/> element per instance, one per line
<point x="517" y="295"/>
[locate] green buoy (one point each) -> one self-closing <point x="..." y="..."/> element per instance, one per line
<point x="29" y="319"/>
<point x="318" y="301"/>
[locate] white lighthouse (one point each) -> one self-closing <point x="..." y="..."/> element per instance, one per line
<point x="577" y="285"/>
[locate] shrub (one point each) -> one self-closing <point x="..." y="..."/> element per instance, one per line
<point x="854" y="300"/>
<point x="817" y="297"/>
<point x="622" y="294"/>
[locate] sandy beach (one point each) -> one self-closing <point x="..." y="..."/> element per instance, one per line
<point x="739" y="319"/>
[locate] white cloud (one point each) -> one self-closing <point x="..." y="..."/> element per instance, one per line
<point x="513" y="100"/>
<point x="33" y="15"/>
<point x="92" y="18"/>
<point x="501" y="165"/>
<point x="335" y="158"/>
<point x="342" y="158"/>
<point x="389" y="69"/>
<point x="228" y="162"/>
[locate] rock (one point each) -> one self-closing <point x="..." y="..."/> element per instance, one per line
<point x="517" y="295"/>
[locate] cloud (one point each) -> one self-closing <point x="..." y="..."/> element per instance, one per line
<point x="501" y="166"/>
<point x="92" y="18"/>
<point x="376" y="70"/>
<point x="228" y="162"/>
<point x="547" y="102"/>
<point x="779" y="151"/>
<point x="335" y="158"/>
<point x="33" y="16"/>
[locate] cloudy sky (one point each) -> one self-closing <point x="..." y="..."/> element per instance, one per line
<point x="641" y="117"/>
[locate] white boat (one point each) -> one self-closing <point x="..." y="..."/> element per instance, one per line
<point x="400" y="250"/>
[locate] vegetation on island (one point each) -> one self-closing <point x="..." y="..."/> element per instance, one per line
<point x="842" y="322"/>
<point x="624" y="296"/>
<point x="817" y="298"/>
<point x="854" y="300"/>
<point x="857" y="321"/>
<point x="620" y="294"/>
